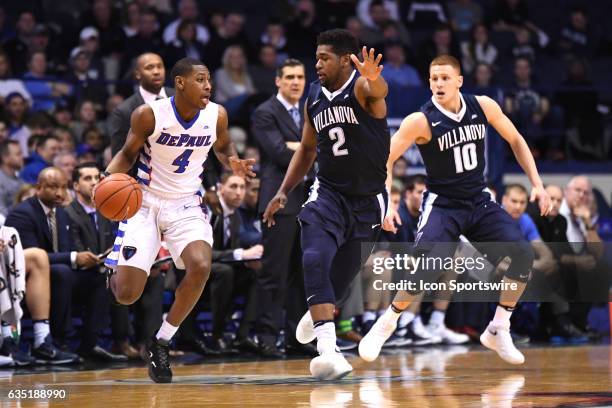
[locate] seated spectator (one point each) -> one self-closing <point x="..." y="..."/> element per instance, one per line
<point x="233" y="79"/>
<point x="578" y="38"/>
<point x="65" y="139"/>
<point x="66" y="162"/>
<point x="131" y="18"/>
<point x="42" y="224"/>
<point x="531" y="113"/>
<point x="478" y="50"/>
<point x="230" y="32"/>
<point x="146" y="40"/>
<point x="274" y="35"/>
<point x="46" y="150"/>
<point x="523" y="46"/>
<point x="302" y="29"/>
<point x="423" y="14"/>
<point x="86" y="116"/>
<point x="11" y="162"/>
<point x="355" y="26"/>
<point x="397" y="72"/>
<point x="363" y="11"/>
<point x="250" y="220"/>
<point x="17" y="47"/>
<point x="187" y="11"/>
<point x="89" y="42"/>
<point x="94" y="138"/>
<point x="39" y="84"/>
<point x="8" y="84"/>
<point x="91" y="232"/>
<point x="264" y="73"/>
<point x="26" y="191"/>
<point x="372" y="35"/>
<point x="32" y="264"/>
<point x="16" y="112"/>
<point x="185" y="44"/>
<point x="87" y="81"/>
<point x="464" y="15"/>
<point x="441" y="42"/>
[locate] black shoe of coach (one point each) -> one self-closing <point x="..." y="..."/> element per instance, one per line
<point x="297" y="349"/>
<point x="99" y="354"/>
<point x="270" y="351"/>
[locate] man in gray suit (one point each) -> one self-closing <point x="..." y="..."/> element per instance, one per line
<point x="91" y="232"/>
<point x="151" y="75"/>
<point x="277" y="126"/>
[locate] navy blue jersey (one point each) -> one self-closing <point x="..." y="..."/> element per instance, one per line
<point x="352" y="146"/>
<point x="455" y="155"/>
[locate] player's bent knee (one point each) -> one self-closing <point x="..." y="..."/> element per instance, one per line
<point x="126" y="295"/>
<point x="522" y="256"/>
<point x="199" y="269"/>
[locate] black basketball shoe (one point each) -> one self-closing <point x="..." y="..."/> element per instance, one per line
<point x="158" y="357"/>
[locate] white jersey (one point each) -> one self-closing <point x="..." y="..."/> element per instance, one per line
<point x="172" y="159"/>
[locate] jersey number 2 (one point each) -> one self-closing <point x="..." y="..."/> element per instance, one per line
<point x="182" y="161"/>
<point x="465" y="157"/>
<point x="338" y="134"/>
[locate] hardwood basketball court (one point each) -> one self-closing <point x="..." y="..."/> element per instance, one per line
<point x="429" y="377"/>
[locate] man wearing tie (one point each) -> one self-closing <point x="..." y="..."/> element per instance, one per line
<point x="42" y="223"/>
<point x="277" y="127"/>
<point x="151" y="75"/>
<point x="91" y="232"/>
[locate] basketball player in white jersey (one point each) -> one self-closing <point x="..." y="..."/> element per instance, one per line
<point x="171" y="139"/>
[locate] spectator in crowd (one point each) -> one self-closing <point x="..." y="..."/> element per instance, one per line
<point x="187" y="11"/>
<point x="302" y="29"/>
<point x="233" y="79"/>
<point x="578" y="38"/>
<point x="530" y="111"/>
<point x="43" y="224"/>
<point x="3" y="132"/>
<point x="441" y="42"/>
<point x="66" y="162"/>
<point x="523" y="46"/>
<point x="397" y="72"/>
<point x="89" y="42"/>
<point x="276" y="127"/>
<point x="364" y="15"/>
<point x="17" y="48"/>
<point x="16" y="112"/>
<point x="86" y="116"/>
<point x="43" y="90"/>
<point x="106" y="20"/>
<point x="11" y="162"/>
<point x="274" y="35"/>
<point x="147" y="39"/>
<point x="87" y="81"/>
<point x="96" y="141"/>
<point x="41" y="42"/>
<point x="26" y="191"/>
<point x="372" y="35"/>
<point x="91" y="232"/>
<point x="464" y="15"/>
<point x="250" y="221"/>
<point x="478" y="50"/>
<point x="264" y="73"/>
<point x="8" y="84"/>
<point x="231" y="32"/>
<point x="185" y="44"/>
<point x="65" y="139"/>
<point x="62" y="116"/>
<point x="46" y="150"/>
<point x="131" y="18"/>
<point x="355" y="26"/>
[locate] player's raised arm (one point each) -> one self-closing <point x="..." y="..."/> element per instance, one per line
<point x="371" y="88"/>
<point x="414" y="127"/>
<point x="301" y="162"/>
<point x="142" y="124"/>
<point x="521" y="151"/>
<point x="226" y="152"/>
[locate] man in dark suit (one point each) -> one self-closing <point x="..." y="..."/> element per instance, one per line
<point x="42" y="223"/>
<point x="91" y="232"/>
<point x="151" y="75"/>
<point x="277" y="126"/>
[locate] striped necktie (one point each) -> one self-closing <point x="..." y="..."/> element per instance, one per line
<point x="53" y="228"/>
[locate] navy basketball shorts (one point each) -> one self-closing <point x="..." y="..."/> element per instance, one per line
<point x="334" y="227"/>
<point x="479" y="219"/>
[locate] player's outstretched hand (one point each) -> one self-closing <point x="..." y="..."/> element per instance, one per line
<point x="391" y="220"/>
<point x="278" y="202"/>
<point x="369" y="68"/>
<point x="539" y="194"/>
<point x="242" y="168"/>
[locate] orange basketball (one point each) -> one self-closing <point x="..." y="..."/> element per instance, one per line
<point x="118" y="197"/>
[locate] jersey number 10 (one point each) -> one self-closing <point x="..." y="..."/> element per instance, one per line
<point x="465" y="157"/>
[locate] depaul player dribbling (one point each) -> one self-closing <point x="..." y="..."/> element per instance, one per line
<point x="449" y="131"/>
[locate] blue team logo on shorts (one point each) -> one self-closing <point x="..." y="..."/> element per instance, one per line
<point x="128" y="252"/>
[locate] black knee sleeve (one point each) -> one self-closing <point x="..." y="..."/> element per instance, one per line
<point x="317" y="284"/>
<point x="521" y="261"/>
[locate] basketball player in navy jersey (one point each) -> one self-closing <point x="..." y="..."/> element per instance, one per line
<point x="346" y="130"/>
<point x="449" y="131"/>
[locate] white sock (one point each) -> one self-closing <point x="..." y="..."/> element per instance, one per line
<point x="369" y="315"/>
<point x="166" y="331"/>
<point x="405" y="319"/>
<point x="502" y="317"/>
<point x="41" y="330"/>
<point x="437" y="318"/>
<point x="326" y="337"/>
<point x="6" y="330"/>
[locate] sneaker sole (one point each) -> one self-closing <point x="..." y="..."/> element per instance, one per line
<point x="328" y="372"/>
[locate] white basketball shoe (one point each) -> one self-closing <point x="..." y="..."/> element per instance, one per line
<point x="498" y="339"/>
<point x="370" y="345"/>
<point x="304" y="332"/>
<point x="330" y="366"/>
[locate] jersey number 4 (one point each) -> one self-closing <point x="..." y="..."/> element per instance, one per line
<point x="465" y="157"/>
<point x="337" y="134"/>
<point x="182" y="161"/>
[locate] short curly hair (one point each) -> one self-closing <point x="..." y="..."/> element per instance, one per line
<point x="341" y="41"/>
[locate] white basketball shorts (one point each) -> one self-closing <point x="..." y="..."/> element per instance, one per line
<point x="179" y="220"/>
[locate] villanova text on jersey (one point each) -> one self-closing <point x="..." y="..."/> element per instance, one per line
<point x="455" y="156"/>
<point x="352" y="146"/>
